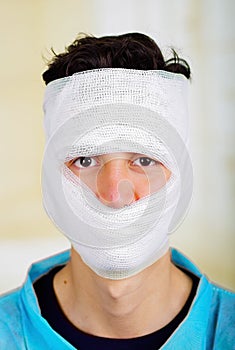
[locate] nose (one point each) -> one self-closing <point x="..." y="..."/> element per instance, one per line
<point x="114" y="185"/>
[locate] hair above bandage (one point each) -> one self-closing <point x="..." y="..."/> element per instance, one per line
<point x="116" y="110"/>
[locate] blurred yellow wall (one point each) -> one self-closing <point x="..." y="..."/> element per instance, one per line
<point x="203" y="33"/>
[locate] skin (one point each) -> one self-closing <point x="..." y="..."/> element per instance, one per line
<point x="119" y="179"/>
<point x="133" y="306"/>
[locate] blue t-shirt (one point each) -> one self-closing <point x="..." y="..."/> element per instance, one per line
<point x="209" y="324"/>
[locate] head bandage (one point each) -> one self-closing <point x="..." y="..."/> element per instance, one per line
<point x="116" y="110"/>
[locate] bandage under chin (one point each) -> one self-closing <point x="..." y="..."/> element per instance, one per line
<point x="107" y="111"/>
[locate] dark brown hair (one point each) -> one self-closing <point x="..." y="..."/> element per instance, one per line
<point x="132" y="50"/>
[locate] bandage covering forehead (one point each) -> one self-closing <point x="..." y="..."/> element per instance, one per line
<point x="105" y="111"/>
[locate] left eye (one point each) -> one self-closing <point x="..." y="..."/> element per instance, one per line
<point x="85" y="162"/>
<point x="144" y="161"/>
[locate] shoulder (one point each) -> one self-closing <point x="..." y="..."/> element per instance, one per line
<point x="9" y="306"/>
<point x="214" y="306"/>
<point x="19" y="312"/>
<point x="221" y="323"/>
<point x="223" y="304"/>
<point x="10" y="321"/>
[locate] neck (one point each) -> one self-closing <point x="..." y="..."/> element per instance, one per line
<point x="126" y="308"/>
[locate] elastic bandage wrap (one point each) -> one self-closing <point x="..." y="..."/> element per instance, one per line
<point x="105" y="111"/>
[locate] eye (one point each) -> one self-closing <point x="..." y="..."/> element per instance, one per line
<point x="85" y="162"/>
<point x="145" y="161"/>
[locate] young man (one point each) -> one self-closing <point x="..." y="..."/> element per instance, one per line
<point x="117" y="179"/>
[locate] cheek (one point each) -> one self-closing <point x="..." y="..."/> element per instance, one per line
<point x="89" y="179"/>
<point x="157" y="177"/>
<point x="141" y="186"/>
<point x="87" y="176"/>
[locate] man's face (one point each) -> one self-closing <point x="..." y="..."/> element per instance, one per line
<point x="119" y="179"/>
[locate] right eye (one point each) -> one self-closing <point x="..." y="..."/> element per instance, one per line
<point x="85" y="162"/>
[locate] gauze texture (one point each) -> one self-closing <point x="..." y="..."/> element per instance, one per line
<point x="116" y="110"/>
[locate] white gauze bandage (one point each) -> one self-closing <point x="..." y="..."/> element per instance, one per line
<point x="112" y="110"/>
